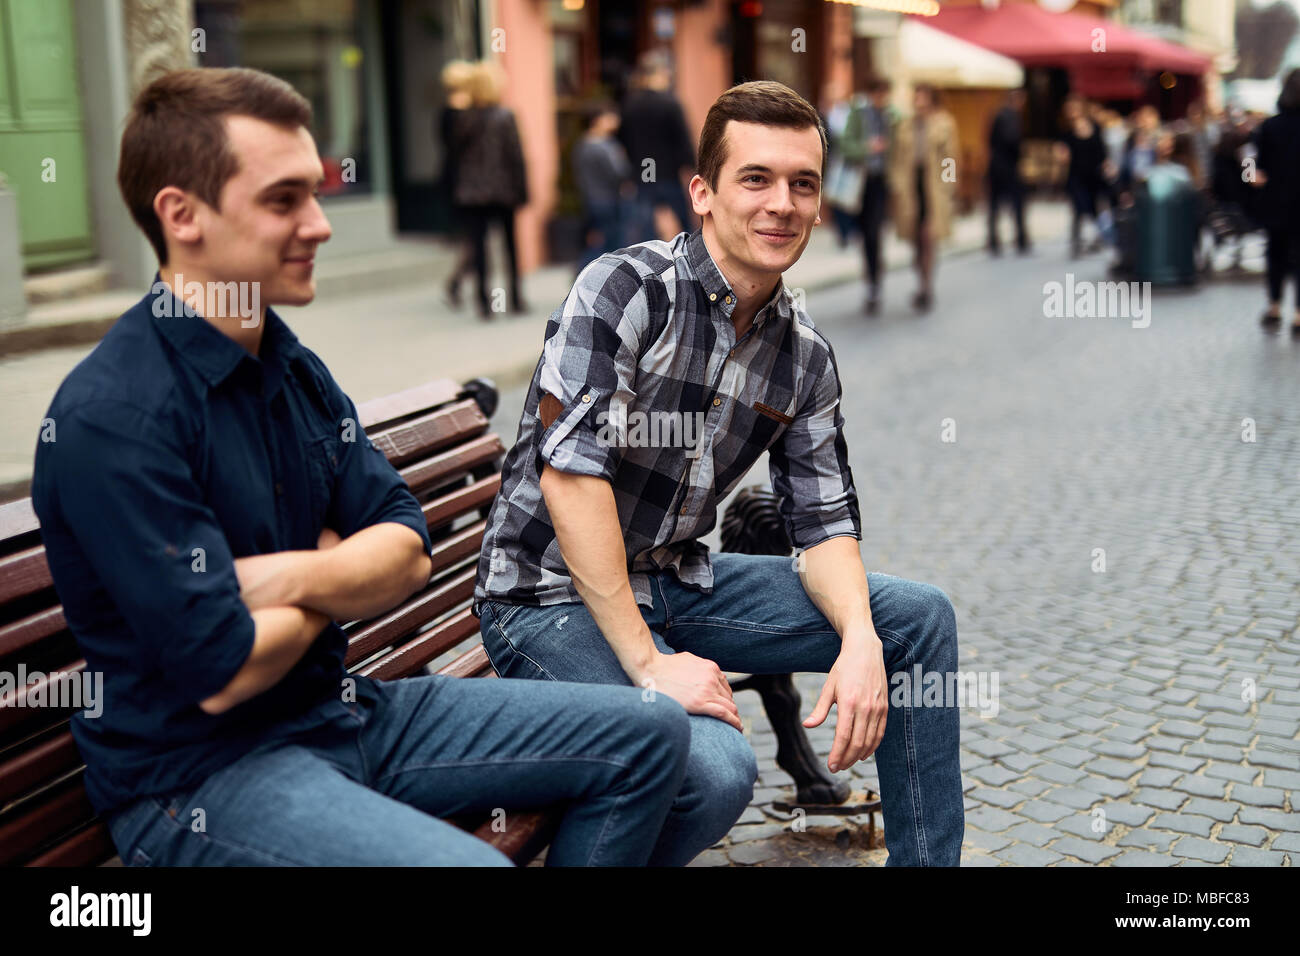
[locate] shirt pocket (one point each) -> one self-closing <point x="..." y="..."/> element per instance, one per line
<point x="322" y="468"/>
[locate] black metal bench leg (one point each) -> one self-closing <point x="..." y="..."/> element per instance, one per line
<point x="794" y="753"/>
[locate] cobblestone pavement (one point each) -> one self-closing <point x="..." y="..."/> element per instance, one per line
<point x="1148" y="712"/>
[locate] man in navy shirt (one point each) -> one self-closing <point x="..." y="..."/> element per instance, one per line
<point x="208" y="515"/>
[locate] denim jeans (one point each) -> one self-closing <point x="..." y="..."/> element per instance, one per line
<point x="759" y="620"/>
<point x="364" y="783"/>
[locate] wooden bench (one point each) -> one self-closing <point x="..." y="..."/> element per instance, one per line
<point x="437" y="437"/>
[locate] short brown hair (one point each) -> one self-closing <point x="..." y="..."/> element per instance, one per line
<point x="765" y="102"/>
<point x="175" y="135"/>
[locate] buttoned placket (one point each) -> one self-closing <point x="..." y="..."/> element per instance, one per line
<point x="713" y="406"/>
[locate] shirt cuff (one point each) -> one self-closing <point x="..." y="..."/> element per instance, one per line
<point x="571" y="445"/>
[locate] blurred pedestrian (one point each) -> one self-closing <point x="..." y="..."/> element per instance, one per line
<point x="842" y="187"/>
<point x="456" y="78"/>
<point x="860" y="174"/>
<point x="1204" y="137"/>
<point x="1081" y="143"/>
<point x="1277" y="173"/>
<point x="1140" y="151"/>
<point x="604" y="177"/>
<point x="654" y="127"/>
<point x="1005" y="185"/>
<point x="922" y="171"/>
<point x="491" y="178"/>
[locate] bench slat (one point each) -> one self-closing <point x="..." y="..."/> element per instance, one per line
<point x="525" y="835"/>
<point x="410" y="616"/>
<point x="20" y="635"/>
<point x="457" y="547"/>
<point x="432" y="432"/>
<point x="12" y="713"/>
<point x="89" y="847"/>
<point x="37" y="767"/>
<point x="408" y="659"/>
<point x="53" y="815"/>
<point x="467" y="499"/>
<point x="450" y="464"/>
<point x="473" y="663"/>
<point x="17" y="518"/>
<point x="24" y="573"/>
<point x="389" y="408"/>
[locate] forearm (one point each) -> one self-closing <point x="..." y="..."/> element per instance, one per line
<point x="282" y="636"/>
<point x="591" y="542"/>
<point x="361" y="576"/>
<point x="835" y="580"/>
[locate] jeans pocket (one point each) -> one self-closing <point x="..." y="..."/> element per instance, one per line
<point x="507" y="660"/>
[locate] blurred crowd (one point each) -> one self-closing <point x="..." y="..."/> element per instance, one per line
<point x="1162" y="195"/>
<point x="1215" y="178"/>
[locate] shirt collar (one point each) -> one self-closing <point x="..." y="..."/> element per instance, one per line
<point x="215" y="355"/>
<point x="718" y="291"/>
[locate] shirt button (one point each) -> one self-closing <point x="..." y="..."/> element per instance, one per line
<point x="586" y="398"/>
<point x="727" y="300"/>
<point x="713" y="297"/>
<point x="717" y="402"/>
<point x="683" y="511"/>
<point x="279" y="488"/>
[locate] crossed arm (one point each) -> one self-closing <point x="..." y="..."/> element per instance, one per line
<point x="293" y="595"/>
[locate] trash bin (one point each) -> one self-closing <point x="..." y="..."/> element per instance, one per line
<point x="1168" y="220"/>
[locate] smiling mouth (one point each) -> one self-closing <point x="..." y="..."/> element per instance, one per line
<point x="774" y="234"/>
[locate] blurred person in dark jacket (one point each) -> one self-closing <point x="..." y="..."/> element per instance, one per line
<point x="604" y="177"/>
<point x="1081" y="143"/>
<point x="491" y="178"/>
<point x="1005" y="136"/>
<point x="1277" y="162"/>
<point x="654" y="127"/>
<point x="456" y="78"/>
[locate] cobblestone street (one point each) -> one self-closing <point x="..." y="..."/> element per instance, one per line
<point x="1148" y="713"/>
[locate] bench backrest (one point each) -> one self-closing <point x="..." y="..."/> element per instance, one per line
<point x="437" y="436"/>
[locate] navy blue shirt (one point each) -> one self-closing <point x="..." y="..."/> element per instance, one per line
<point x="176" y="451"/>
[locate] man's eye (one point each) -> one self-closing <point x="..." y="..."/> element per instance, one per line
<point x="752" y="176"/>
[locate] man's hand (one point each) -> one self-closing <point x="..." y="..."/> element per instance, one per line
<point x="859" y="690"/>
<point x="694" y="682"/>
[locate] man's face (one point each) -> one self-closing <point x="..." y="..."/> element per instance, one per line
<point x="270" y="223"/>
<point x="769" y="193"/>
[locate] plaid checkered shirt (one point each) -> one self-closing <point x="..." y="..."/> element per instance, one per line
<point x="657" y="396"/>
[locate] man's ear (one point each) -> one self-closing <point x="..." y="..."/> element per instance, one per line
<point x="701" y="197"/>
<point x="177" y="212"/>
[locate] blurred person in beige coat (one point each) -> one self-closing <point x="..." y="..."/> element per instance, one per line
<point x="922" y="177"/>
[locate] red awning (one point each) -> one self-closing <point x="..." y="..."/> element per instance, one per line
<point x="1032" y="36"/>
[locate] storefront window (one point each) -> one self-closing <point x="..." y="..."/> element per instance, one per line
<point x="314" y="45"/>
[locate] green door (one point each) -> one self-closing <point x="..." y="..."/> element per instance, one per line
<point x="42" y="144"/>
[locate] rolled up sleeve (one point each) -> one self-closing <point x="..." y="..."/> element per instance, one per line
<point x="128" y="494"/>
<point x="809" y="466"/>
<point x="589" y="366"/>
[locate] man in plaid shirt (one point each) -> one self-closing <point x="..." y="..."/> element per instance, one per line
<point x="667" y="372"/>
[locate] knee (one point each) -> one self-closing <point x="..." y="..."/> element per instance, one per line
<point x="936" y="611"/>
<point x="665" y="728"/>
<point x="731" y="774"/>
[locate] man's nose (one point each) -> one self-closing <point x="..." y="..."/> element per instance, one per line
<point x="779" y="201"/>
<point x="316" y="228"/>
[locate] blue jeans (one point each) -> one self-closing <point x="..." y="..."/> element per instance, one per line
<point x="759" y="620"/>
<point x="364" y="783"/>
